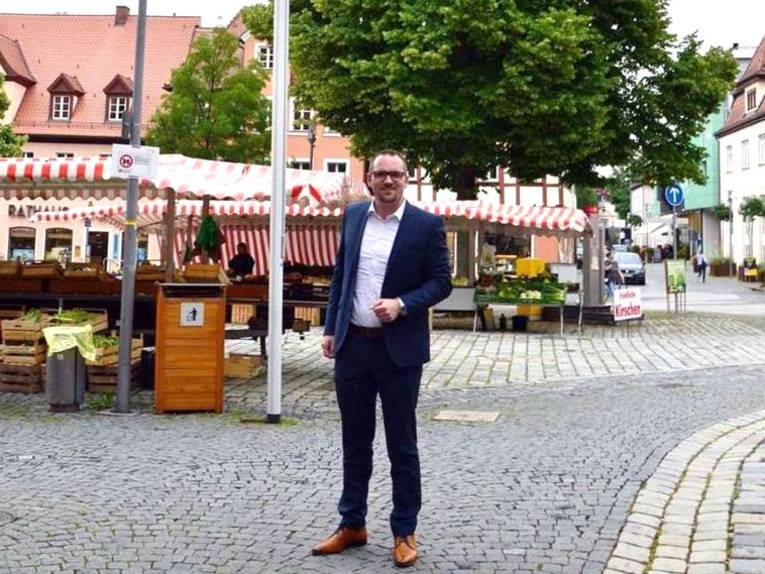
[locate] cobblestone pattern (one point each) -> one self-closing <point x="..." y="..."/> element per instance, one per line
<point x="545" y="489"/>
<point x="462" y="359"/>
<point x="682" y="519"/>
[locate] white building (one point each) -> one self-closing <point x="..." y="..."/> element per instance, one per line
<point x="742" y="160"/>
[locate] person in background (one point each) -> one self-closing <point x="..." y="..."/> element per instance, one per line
<point x="242" y="263"/>
<point x="614" y="276"/>
<point x="701" y="266"/>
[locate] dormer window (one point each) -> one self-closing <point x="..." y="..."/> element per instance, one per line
<point x="117" y="107"/>
<point x="62" y="108"/>
<point x="751" y="100"/>
<point x="64" y="92"/>
<point x="118" y="93"/>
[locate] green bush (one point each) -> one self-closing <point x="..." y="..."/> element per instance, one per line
<point x="720" y="260"/>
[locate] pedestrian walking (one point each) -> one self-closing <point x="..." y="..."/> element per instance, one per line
<point x="701" y="266"/>
<point x="614" y="277"/>
<point x="391" y="266"/>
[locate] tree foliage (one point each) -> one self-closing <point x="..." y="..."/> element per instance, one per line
<point x="722" y="212"/>
<point x="10" y="143"/>
<point x="539" y="86"/>
<point x="634" y="220"/>
<point x="752" y="207"/>
<point x="216" y="109"/>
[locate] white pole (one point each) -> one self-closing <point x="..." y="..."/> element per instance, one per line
<point x="278" y="169"/>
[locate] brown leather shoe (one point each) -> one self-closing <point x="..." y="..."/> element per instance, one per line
<point x="340" y="540"/>
<point x="405" y="551"/>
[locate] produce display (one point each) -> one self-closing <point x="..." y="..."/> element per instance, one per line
<point x="536" y="290"/>
<point x="104" y="342"/>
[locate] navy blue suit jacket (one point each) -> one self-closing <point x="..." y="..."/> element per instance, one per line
<point x="418" y="272"/>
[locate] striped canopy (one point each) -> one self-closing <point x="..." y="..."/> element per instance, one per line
<point x="534" y="219"/>
<point x="189" y="177"/>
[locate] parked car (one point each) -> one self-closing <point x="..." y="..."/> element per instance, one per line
<point x="619" y="248"/>
<point x="631" y="266"/>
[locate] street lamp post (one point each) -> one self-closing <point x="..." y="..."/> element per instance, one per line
<point x="312" y="143"/>
<point x="730" y="233"/>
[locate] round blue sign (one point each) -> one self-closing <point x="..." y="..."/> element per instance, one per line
<point x="674" y="195"/>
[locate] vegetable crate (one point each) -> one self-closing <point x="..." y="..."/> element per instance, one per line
<point x="27" y="353"/>
<point x="21" y="331"/>
<point x="103" y="379"/>
<point x="21" y="379"/>
<point x="109" y="356"/>
<point x="97" y="318"/>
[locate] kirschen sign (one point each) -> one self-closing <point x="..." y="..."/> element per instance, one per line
<point x="627" y="304"/>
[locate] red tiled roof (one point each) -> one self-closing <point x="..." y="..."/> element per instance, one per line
<point x="13" y="62"/>
<point x="738" y="117"/>
<point x="93" y="49"/>
<point x="236" y="26"/>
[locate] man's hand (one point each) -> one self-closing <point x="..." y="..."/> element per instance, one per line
<point x="328" y="346"/>
<point x="387" y="310"/>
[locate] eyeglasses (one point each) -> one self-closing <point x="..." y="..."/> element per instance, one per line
<point x="383" y="175"/>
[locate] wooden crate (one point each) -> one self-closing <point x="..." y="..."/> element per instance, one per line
<point x="28" y="353"/>
<point x="110" y="355"/>
<point x="20" y="379"/>
<point x="310" y="314"/>
<point x="103" y="379"/>
<point x="49" y="270"/>
<point x="19" y="331"/>
<point x="99" y="322"/>
<point x="241" y="313"/>
<point x="243" y="366"/>
<point x="9" y="269"/>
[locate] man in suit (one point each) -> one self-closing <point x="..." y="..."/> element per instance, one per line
<point x="392" y="265"/>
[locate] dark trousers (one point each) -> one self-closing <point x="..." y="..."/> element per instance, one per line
<point x="362" y="370"/>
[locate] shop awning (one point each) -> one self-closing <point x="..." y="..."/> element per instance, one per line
<point x="189" y="177"/>
<point x="534" y="219"/>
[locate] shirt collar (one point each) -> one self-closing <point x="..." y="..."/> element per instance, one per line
<point x="398" y="214"/>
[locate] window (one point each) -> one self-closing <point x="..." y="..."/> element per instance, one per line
<point x="729" y="158"/>
<point x="704" y="167"/>
<point x="28" y="154"/>
<point x="301" y="119"/>
<point x="64" y="154"/>
<point x="751" y="99"/>
<point x="265" y="55"/>
<point x="336" y="165"/>
<point x="58" y="243"/>
<point x="117" y="107"/>
<point x="491" y="175"/>
<point x="62" y="108"/>
<point x="328" y="131"/>
<point x="761" y="146"/>
<point x="21" y="243"/>
<point x="745" y="154"/>
<point x="412" y="173"/>
<point x="299" y="164"/>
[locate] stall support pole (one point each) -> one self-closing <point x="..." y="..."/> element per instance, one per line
<point x="471" y="249"/>
<point x="205" y="213"/>
<point x="124" y="369"/>
<point x="277" y="222"/>
<point x="169" y="251"/>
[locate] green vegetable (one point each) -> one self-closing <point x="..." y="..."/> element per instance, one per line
<point x="103" y="342"/>
<point x="33" y="315"/>
<point x="74" y="316"/>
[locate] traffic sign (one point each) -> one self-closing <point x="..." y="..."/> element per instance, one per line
<point x="674" y="195"/>
<point x="129" y="161"/>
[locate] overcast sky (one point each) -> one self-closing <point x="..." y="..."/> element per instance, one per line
<point x="718" y="22"/>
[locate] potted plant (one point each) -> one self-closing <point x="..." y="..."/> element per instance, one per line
<point x="587" y="200"/>
<point x="721" y="267"/>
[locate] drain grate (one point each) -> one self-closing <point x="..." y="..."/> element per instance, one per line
<point x="5" y="518"/>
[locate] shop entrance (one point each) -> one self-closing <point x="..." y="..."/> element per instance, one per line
<point x="98" y="246"/>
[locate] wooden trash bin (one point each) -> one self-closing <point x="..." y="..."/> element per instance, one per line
<point x="189" y="347"/>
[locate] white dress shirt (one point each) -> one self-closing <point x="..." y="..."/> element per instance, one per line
<point x="376" y="245"/>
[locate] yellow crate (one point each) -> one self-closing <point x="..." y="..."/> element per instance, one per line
<point x="243" y="366"/>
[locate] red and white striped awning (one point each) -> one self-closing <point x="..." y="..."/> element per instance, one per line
<point x="313" y="245"/>
<point x="189" y="177"/>
<point x="535" y="219"/>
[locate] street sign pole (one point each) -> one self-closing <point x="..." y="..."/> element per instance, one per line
<point x="277" y="221"/>
<point x="130" y="239"/>
<point x="674" y="232"/>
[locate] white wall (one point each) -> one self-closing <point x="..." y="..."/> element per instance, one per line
<point x="15" y="93"/>
<point x="738" y="183"/>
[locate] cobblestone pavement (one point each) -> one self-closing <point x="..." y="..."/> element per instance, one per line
<point x="463" y="359"/>
<point x="549" y="487"/>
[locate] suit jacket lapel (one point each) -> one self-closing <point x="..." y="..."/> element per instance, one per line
<point x="358" y="229"/>
<point x="401" y="235"/>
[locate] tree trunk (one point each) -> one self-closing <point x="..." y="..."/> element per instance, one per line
<point x="466" y="190"/>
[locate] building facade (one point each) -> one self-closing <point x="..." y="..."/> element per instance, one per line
<point x="742" y="161"/>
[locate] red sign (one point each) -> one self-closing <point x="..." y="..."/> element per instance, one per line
<point x="627" y="304"/>
<point x="126" y="160"/>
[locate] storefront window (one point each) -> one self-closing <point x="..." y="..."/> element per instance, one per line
<point x="142" y="253"/>
<point x="58" y="244"/>
<point x="21" y="243"/>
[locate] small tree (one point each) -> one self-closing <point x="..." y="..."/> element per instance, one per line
<point x="585" y="196"/>
<point x="10" y="143"/>
<point x="751" y="208"/>
<point x="634" y="220"/>
<point x="216" y="109"/>
<point x="722" y="212"/>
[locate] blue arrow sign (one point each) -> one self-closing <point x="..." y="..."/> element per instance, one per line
<point x="674" y="195"/>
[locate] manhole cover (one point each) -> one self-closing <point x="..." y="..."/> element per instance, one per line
<point x="466" y="416"/>
<point x="674" y="386"/>
<point x="5" y="518"/>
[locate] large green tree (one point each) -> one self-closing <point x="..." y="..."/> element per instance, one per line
<point x="10" y="143"/>
<point x="216" y="109"/>
<point x="539" y="86"/>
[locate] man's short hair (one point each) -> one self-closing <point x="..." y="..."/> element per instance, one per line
<point x="242" y="244"/>
<point x="392" y="152"/>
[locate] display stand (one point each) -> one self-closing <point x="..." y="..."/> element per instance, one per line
<point x="190" y="340"/>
